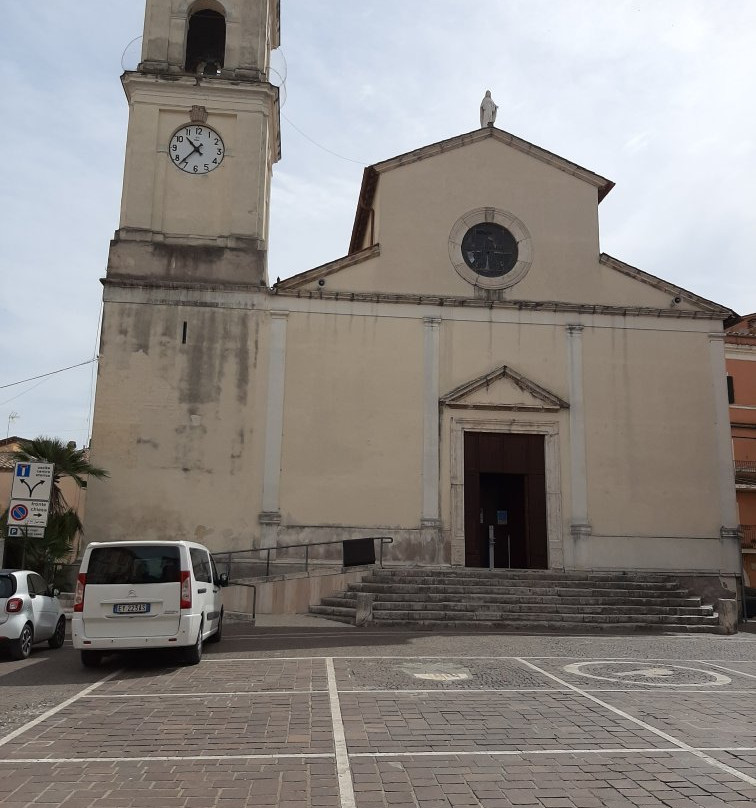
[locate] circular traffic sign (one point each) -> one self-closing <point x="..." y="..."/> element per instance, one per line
<point x="19" y="513"/>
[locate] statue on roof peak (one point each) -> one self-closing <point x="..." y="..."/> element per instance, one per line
<point x="487" y="110"/>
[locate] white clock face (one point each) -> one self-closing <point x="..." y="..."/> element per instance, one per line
<point x="196" y="149"/>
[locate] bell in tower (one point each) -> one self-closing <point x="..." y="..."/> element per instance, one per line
<point x="206" y="43"/>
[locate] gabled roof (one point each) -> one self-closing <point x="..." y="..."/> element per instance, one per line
<point x="371" y="174"/>
<point x="543" y="399"/>
<point x="729" y="315"/>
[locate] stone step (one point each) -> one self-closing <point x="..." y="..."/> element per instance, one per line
<point x="442" y="597"/>
<point x="548" y="626"/>
<point x="383" y="579"/>
<point x="546" y="590"/>
<point x="504" y="572"/>
<point x="541" y="608"/>
<point x="494" y="616"/>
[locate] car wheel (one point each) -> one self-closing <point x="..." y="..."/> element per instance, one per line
<point x="193" y="654"/>
<point x="219" y="632"/>
<point x="21" y="648"/>
<point x="59" y="637"/>
<point x="91" y="659"/>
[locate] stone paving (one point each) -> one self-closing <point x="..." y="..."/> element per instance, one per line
<point x="362" y="726"/>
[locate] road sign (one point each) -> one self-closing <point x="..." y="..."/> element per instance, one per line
<point x="30" y="532"/>
<point x="28" y="512"/>
<point x="32" y="480"/>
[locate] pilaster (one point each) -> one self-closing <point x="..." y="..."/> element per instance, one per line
<point x="270" y="516"/>
<point x="580" y="526"/>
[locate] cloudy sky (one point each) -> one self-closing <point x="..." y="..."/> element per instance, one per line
<point x="656" y="95"/>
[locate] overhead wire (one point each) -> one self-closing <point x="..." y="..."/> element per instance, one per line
<point x="51" y="373"/>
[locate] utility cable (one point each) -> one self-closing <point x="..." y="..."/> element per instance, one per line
<point x="51" y="373"/>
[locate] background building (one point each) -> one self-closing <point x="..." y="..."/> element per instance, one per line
<point x="740" y="348"/>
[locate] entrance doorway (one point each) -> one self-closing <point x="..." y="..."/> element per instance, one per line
<point x="505" y="497"/>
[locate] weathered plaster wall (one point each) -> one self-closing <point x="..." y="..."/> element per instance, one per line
<point x="176" y="423"/>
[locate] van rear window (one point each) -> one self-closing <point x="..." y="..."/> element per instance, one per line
<point x="147" y="564"/>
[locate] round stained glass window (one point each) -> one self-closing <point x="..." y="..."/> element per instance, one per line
<point x="489" y="249"/>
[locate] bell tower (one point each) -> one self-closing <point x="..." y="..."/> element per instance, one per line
<point x="202" y="140"/>
<point x="182" y="373"/>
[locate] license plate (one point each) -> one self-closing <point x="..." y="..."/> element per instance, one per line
<point x="131" y="608"/>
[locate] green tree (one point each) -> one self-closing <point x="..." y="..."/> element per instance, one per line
<point x="63" y="522"/>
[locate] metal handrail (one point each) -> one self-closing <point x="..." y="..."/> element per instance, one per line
<point x="268" y="550"/>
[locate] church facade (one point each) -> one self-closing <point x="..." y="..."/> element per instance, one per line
<point x="474" y="367"/>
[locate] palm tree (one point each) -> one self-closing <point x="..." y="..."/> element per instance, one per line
<point x="63" y="523"/>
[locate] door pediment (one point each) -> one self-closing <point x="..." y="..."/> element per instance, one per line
<point x="503" y="389"/>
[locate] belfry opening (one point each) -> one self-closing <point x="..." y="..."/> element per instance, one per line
<point x="205" y="43"/>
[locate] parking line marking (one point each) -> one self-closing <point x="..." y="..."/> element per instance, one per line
<point x="675" y="750"/>
<point x="173" y="758"/>
<point x="667" y="737"/>
<point x="517" y="752"/>
<point x="330" y="755"/>
<point x="343" y="770"/>
<point x="629" y="690"/>
<point x="198" y="694"/>
<point x="40" y="718"/>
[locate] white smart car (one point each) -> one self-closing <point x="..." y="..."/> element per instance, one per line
<point x="146" y="594"/>
<point x="30" y="612"/>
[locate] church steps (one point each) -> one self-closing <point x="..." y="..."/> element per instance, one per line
<point x="534" y="597"/>
<point x="589" y="590"/>
<point x="522" y="600"/>
<point x="524" y="583"/>
<point x="477" y="607"/>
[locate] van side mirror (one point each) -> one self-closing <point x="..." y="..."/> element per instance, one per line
<point x="223" y="579"/>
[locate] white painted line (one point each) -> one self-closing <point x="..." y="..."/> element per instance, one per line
<point x="40" y="718"/>
<point x="657" y="691"/>
<point x="169" y="758"/>
<point x="215" y="658"/>
<point x="666" y="736"/>
<point x="462" y="690"/>
<point x="343" y="770"/>
<point x="729" y="670"/>
<point x="330" y="755"/>
<point x="201" y="695"/>
<point x="515" y="752"/>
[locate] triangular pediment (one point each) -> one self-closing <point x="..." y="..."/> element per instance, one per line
<point x="503" y="389"/>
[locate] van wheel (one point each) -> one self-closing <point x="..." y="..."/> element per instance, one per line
<point x="219" y="633"/>
<point x="21" y="648"/>
<point x="59" y="637"/>
<point x="193" y="654"/>
<point x="91" y="659"/>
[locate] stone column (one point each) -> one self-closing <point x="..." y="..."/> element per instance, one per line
<point x="270" y="516"/>
<point x="429" y="520"/>
<point x="579" y="525"/>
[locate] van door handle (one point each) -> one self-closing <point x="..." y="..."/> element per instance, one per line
<point x="202" y="591"/>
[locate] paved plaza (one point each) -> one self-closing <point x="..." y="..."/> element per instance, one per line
<point x="347" y="718"/>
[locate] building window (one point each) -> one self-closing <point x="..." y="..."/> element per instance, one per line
<point x="730" y="390"/>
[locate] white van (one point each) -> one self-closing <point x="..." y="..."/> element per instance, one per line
<point x="146" y="594"/>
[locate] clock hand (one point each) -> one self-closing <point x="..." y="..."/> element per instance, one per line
<point x="195" y="148"/>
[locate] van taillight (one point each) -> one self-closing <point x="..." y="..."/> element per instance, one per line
<point x="81" y="583"/>
<point x="186" y="589"/>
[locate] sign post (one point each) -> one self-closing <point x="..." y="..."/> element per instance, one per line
<point x="30" y="499"/>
